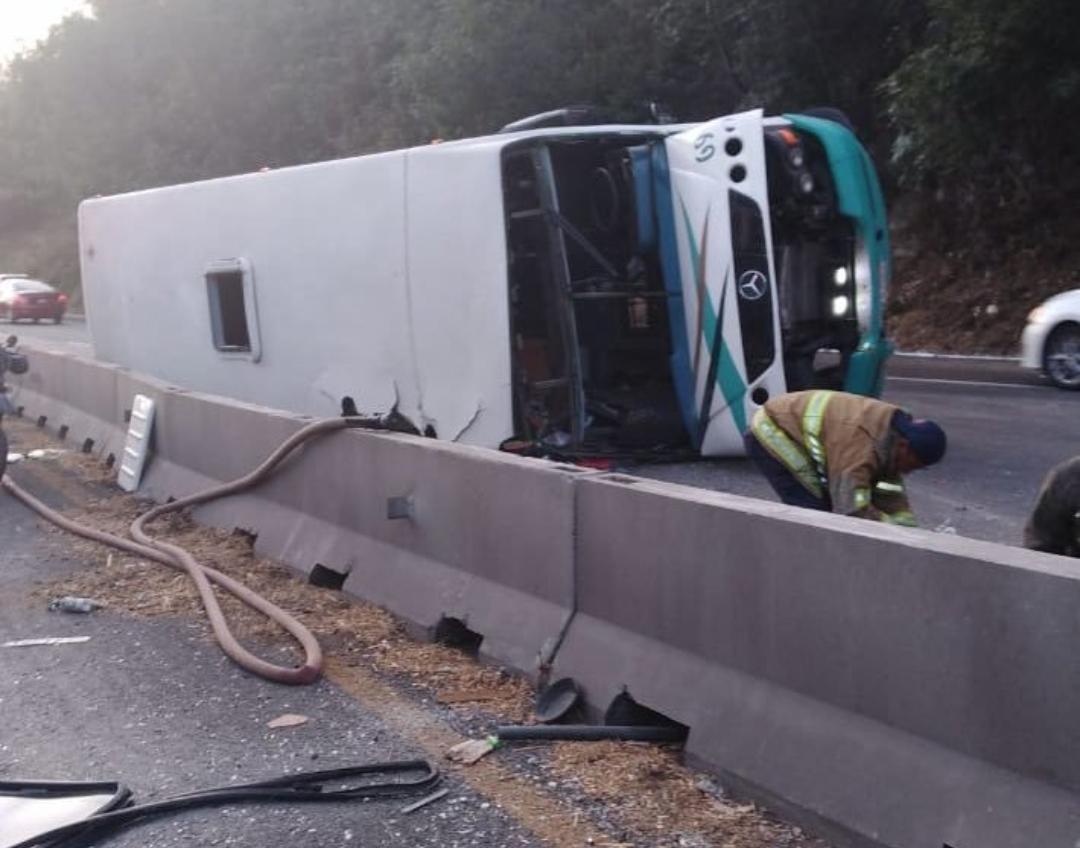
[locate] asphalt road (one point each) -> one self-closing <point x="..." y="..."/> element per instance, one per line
<point x="72" y="334"/>
<point x="157" y="706"/>
<point x="1006" y="428"/>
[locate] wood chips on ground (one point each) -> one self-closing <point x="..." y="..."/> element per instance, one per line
<point x="654" y="794"/>
<point x="352" y="629"/>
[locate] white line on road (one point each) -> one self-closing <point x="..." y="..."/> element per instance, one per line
<point x="979" y="383"/>
<point x="973" y="357"/>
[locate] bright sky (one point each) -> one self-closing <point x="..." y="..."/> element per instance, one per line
<point x="25" y="22"/>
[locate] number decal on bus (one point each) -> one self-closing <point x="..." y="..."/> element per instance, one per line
<point x="704" y="146"/>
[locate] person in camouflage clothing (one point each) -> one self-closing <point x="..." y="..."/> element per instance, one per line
<point x="1054" y="524"/>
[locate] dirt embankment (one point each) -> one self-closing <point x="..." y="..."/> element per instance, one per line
<point x="953" y="293"/>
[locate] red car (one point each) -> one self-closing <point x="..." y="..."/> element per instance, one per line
<point x="22" y="298"/>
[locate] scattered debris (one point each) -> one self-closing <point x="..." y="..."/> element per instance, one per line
<point x="472" y="750"/>
<point x="556" y="701"/>
<point x="137" y="443"/>
<point x="708" y="786"/>
<point x="48" y="640"/>
<point x="592" y="732"/>
<point x="423" y="802"/>
<point x="73" y="604"/>
<point x="12" y="458"/>
<point x="945" y="527"/>
<point x="652" y="793"/>
<point x="467" y="696"/>
<point x="643" y="787"/>
<point x="45" y="453"/>
<point x="287" y="720"/>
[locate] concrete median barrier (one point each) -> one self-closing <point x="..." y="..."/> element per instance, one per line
<point x="428" y="529"/>
<point x="433" y="531"/>
<point x="885" y="686"/>
<point x="73" y="396"/>
<point x="480" y="537"/>
<point x="914" y="688"/>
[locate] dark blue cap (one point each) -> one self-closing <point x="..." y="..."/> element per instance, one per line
<point x="926" y="438"/>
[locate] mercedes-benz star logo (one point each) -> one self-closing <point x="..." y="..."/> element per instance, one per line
<point x="752" y="285"/>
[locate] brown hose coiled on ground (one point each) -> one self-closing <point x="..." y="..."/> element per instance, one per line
<point x="176" y="557"/>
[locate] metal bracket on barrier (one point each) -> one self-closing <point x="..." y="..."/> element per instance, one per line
<point x="399" y="507"/>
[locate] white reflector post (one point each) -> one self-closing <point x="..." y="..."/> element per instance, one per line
<point x="137" y="443"/>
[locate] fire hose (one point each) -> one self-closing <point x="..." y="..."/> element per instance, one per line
<point x="145" y="546"/>
<point x="354" y="783"/>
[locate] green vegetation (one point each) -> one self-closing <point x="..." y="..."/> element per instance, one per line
<point x="971" y="107"/>
<point x="986" y="108"/>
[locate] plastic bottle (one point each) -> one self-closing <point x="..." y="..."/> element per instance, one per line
<point x="72" y="604"/>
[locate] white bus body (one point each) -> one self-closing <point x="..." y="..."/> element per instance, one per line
<point x="572" y="288"/>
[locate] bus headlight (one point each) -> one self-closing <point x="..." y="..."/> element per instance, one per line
<point x="806" y="182"/>
<point x="841" y="276"/>
<point x="840" y="305"/>
<point x="864" y="291"/>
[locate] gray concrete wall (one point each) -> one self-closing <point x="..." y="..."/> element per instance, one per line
<point x="489" y="541"/>
<point x="883" y="685"/>
<point x="77" y="393"/>
<point x="823" y="659"/>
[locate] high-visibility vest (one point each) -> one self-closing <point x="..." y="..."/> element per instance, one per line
<point x="808" y="462"/>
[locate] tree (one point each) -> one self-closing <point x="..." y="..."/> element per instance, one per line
<point x="987" y="110"/>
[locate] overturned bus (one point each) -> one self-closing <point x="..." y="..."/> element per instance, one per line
<point x="572" y="289"/>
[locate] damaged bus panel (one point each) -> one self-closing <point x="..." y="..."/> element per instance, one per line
<point x="568" y="290"/>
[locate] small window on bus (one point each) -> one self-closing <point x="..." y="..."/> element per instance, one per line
<point x="230" y="290"/>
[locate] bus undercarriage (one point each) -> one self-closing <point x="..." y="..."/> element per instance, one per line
<point x="592" y="313"/>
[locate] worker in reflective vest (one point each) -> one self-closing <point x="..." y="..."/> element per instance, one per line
<point x="1054" y="524"/>
<point x="842" y="453"/>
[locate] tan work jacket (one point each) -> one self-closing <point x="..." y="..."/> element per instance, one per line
<point x="841" y="444"/>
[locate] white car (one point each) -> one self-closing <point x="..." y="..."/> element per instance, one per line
<point x="1051" y="340"/>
